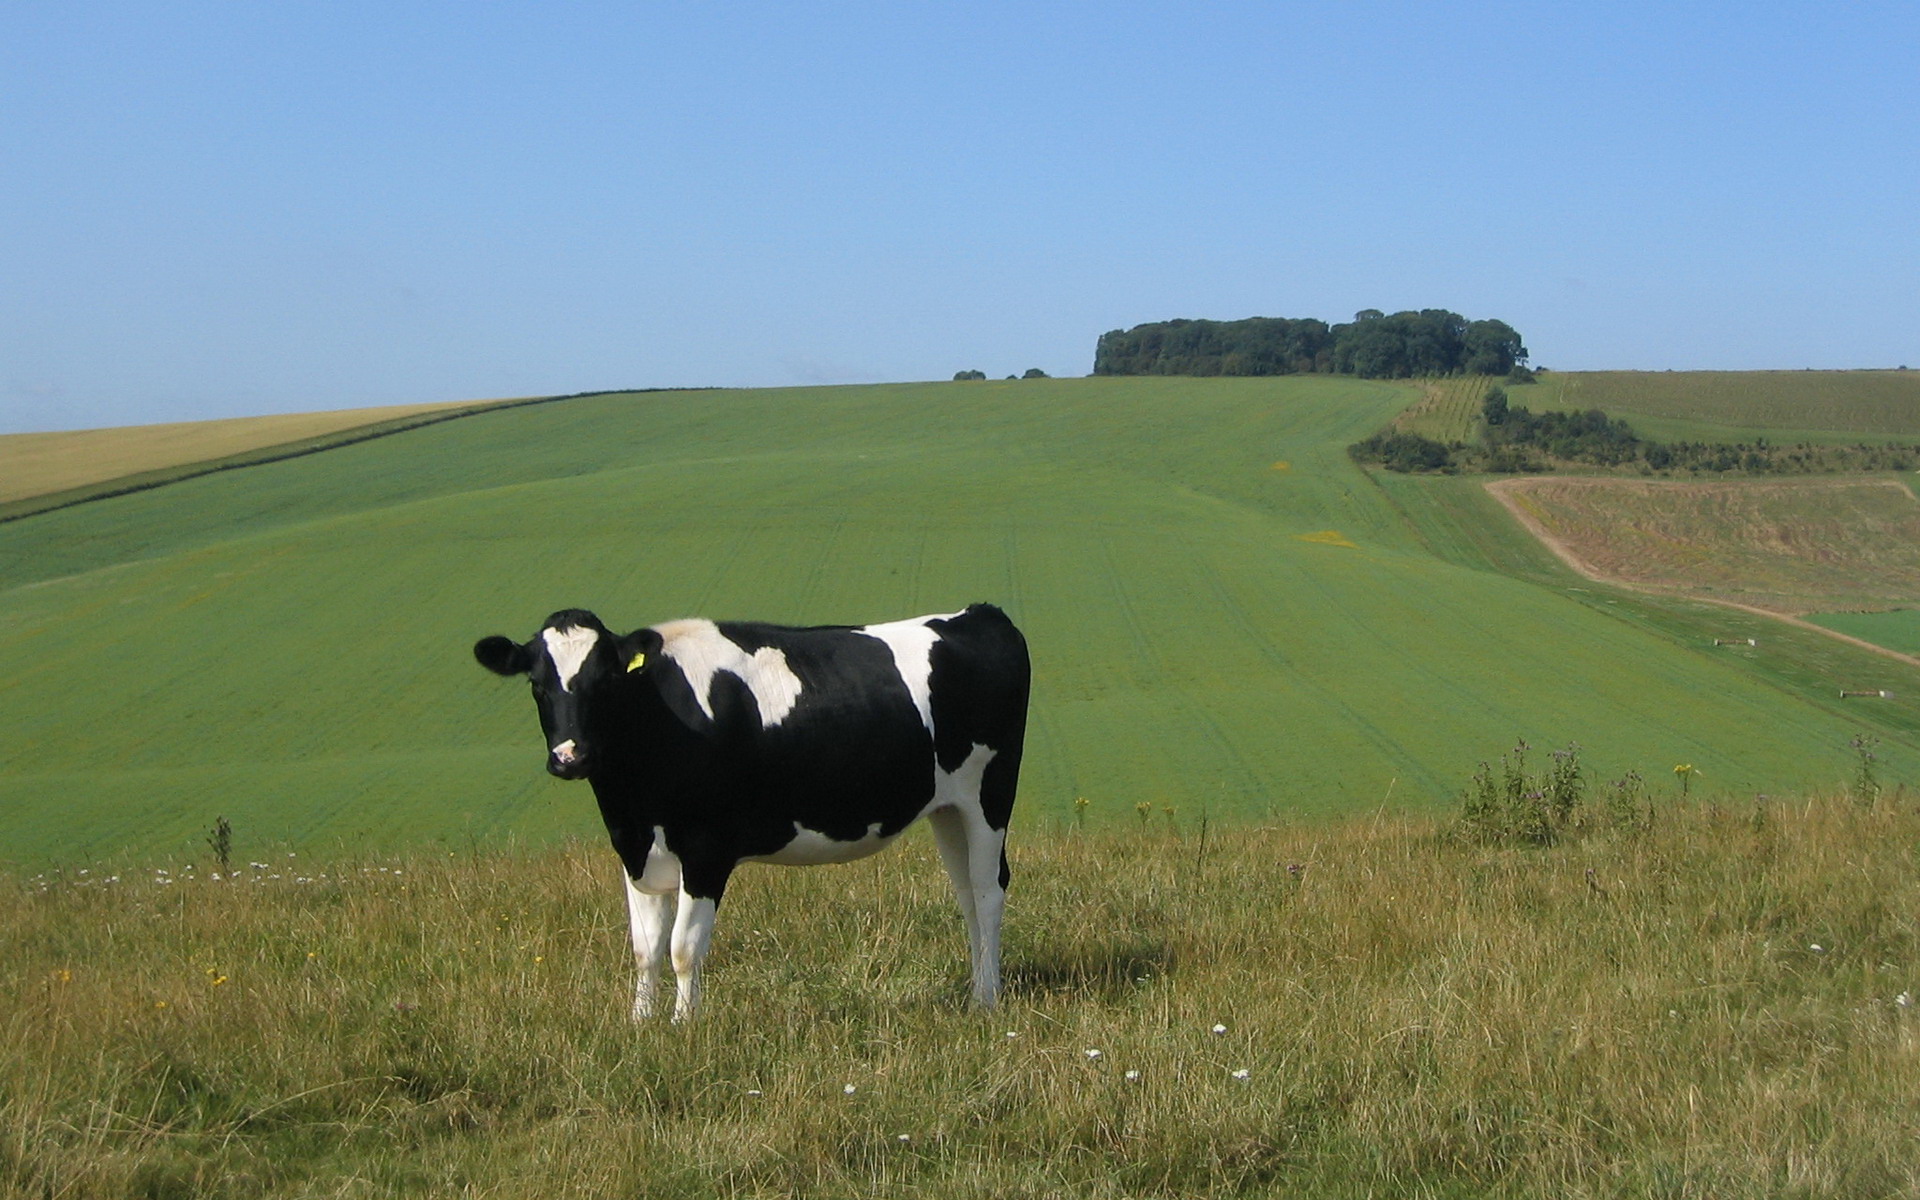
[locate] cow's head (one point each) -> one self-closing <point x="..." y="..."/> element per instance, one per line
<point x="576" y="666"/>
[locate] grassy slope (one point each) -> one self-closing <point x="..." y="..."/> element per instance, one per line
<point x="33" y="464"/>
<point x="1449" y="409"/>
<point x="1897" y="630"/>
<point x="1789" y="545"/>
<point x="287" y="645"/>
<point x="1457" y="517"/>
<point x="1739" y="406"/>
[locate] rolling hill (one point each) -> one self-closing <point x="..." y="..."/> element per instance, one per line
<point x="1228" y="617"/>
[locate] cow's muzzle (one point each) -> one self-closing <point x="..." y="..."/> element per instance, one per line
<point x="568" y="760"/>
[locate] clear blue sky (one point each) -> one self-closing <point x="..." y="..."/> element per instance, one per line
<point x="212" y="209"/>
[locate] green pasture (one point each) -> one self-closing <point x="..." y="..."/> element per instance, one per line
<point x="1227" y="616"/>
<point x="1896" y="630"/>
<point x="1784" y="407"/>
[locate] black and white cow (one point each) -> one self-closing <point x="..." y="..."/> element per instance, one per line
<point x="709" y="745"/>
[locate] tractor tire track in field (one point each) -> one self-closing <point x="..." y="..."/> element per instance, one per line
<point x="1148" y="649"/>
<point x="1390" y="749"/>
<point x="810" y="585"/>
<point x="1443" y="682"/>
<point x="1043" y="725"/>
<point x="1502" y="489"/>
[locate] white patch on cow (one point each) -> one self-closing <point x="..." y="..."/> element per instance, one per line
<point x="811" y="848"/>
<point x="564" y="752"/>
<point x="911" y="642"/>
<point x="568" y="648"/>
<point x="661" y="874"/>
<point x="701" y="651"/>
<point x="961" y="787"/>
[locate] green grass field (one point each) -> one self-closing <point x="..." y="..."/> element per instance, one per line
<point x="1739" y="406"/>
<point x="1897" y="629"/>
<point x="287" y="645"/>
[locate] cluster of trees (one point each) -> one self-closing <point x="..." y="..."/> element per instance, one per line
<point x="1584" y="437"/>
<point x="1766" y="458"/>
<point x="1374" y="345"/>
<point x="1408" y="452"/>
<point x="1031" y="373"/>
<point x="1516" y="441"/>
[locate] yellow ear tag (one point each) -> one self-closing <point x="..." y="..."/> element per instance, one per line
<point x="639" y="660"/>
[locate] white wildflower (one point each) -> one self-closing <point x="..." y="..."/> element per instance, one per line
<point x="1242" y="1073"/>
<point x="1093" y="1054"/>
<point x="1133" y="1075"/>
<point x="1904" y="1000"/>
<point x="1219" y="1029"/>
<point x="849" y="1090"/>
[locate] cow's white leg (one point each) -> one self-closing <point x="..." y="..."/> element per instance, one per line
<point x="984" y="846"/>
<point x="692" y="932"/>
<point x="651" y="918"/>
<point x="950" y="835"/>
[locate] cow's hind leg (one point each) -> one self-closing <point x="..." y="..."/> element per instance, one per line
<point x="973" y="853"/>
<point x="950" y="835"/>
<point x="987" y="863"/>
<point x="651" y="919"/>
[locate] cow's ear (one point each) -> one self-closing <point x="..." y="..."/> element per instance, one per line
<point x="503" y="656"/>
<point x="638" y="650"/>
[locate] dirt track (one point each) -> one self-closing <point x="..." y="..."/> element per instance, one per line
<point x="1503" y="489"/>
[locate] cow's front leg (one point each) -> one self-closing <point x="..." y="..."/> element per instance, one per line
<point x="692" y="934"/>
<point x="651" y="918"/>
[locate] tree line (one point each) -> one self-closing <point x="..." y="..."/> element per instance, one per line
<point x="1516" y="440"/>
<point x="1374" y="345"/>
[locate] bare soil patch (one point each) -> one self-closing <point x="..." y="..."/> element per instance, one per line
<point x="1780" y="548"/>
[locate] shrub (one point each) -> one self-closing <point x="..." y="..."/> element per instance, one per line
<point x="1513" y="805"/>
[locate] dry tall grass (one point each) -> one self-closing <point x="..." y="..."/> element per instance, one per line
<point x="1720" y="1007"/>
